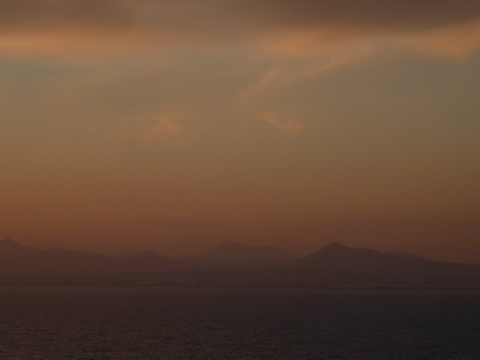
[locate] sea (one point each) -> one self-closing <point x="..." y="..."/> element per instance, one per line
<point x="90" y="323"/>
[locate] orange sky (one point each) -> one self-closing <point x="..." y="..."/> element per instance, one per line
<point x="177" y="125"/>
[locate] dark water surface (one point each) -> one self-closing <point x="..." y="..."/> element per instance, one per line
<point x="220" y="323"/>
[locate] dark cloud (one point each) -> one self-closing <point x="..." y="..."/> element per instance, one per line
<point x="41" y="15"/>
<point x="367" y="14"/>
<point x="156" y="23"/>
<point x="237" y="15"/>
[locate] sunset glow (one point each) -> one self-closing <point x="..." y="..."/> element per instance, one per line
<point x="178" y="125"/>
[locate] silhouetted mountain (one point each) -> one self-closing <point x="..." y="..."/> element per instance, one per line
<point x="237" y="254"/>
<point x="16" y="259"/>
<point x="9" y="247"/>
<point x="337" y="262"/>
<point x="402" y="254"/>
<point x="20" y="260"/>
<point x="233" y="264"/>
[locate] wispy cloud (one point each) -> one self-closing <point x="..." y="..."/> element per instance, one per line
<point x="159" y="129"/>
<point x="162" y="129"/>
<point x="287" y="125"/>
<point x="457" y="42"/>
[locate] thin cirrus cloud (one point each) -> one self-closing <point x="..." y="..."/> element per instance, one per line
<point x="185" y="55"/>
<point x="287" y="125"/>
<point x="286" y="26"/>
<point x="160" y="129"/>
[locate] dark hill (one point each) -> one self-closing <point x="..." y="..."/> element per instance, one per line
<point x="402" y="254"/>
<point x="343" y="263"/>
<point x="22" y="261"/>
<point x="9" y="247"/>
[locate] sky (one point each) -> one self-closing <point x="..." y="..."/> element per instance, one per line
<point x="176" y="125"/>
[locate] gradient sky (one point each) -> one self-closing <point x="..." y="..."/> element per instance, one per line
<point x="176" y="125"/>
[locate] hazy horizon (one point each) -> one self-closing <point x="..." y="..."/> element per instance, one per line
<point x="175" y="126"/>
<point x="238" y="248"/>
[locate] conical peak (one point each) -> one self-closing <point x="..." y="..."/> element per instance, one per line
<point x="336" y="246"/>
<point x="9" y="243"/>
<point x="337" y="249"/>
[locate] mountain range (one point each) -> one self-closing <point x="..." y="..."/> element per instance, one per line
<point x="20" y="260"/>
<point x="343" y="263"/>
<point x="234" y="264"/>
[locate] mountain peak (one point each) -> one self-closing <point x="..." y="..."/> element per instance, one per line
<point x="340" y="254"/>
<point x="336" y="246"/>
<point x="7" y="241"/>
<point x="10" y="244"/>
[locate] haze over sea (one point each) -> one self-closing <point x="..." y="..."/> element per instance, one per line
<point x="237" y="323"/>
